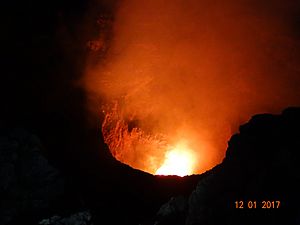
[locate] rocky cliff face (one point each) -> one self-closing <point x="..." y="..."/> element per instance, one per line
<point x="261" y="164"/>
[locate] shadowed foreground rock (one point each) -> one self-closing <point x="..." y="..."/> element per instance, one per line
<point x="29" y="186"/>
<point x="261" y="164"/>
<point x="80" y="218"/>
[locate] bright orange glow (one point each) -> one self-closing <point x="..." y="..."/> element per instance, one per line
<point x="190" y="70"/>
<point x="178" y="161"/>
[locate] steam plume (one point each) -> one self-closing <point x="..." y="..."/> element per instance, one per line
<point x="195" y="70"/>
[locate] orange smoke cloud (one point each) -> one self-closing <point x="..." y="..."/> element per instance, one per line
<point x="193" y="70"/>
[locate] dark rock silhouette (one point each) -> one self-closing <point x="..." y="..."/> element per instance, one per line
<point x="29" y="185"/>
<point x="261" y="164"/>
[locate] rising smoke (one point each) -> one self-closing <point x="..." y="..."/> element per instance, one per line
<point x="194" y="70"/>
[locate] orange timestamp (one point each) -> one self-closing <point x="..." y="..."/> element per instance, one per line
<point x="257" y="204"/>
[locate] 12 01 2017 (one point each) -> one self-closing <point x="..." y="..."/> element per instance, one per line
<point x="257" y="204"/>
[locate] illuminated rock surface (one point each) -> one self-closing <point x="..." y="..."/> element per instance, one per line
<point x="80" y="218"/>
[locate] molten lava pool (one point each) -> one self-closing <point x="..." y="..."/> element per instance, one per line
<point x="178" y="161"/>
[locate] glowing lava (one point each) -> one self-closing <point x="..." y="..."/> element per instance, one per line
<point x="178" y="161"/>
<point x="192" y="69"/>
